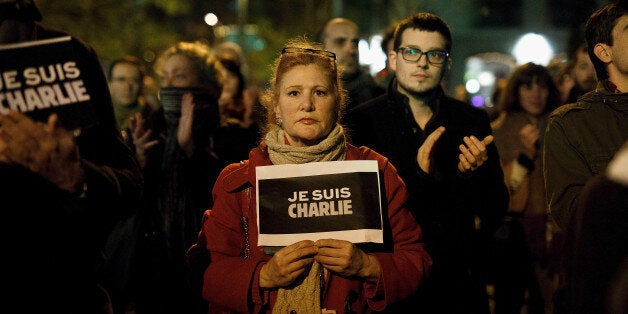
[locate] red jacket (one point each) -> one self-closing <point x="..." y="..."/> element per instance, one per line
<point x="230" y="281"/>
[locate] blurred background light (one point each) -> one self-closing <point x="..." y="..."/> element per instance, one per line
<point x="533" y="47"/>
<point x="486" y="78"/>
<point x="477" y="101"/>
<point x="376" y="58"/>
<point x="371" y="54"/>
<point x="211" y="19"/>
<point x="473" y="86"/>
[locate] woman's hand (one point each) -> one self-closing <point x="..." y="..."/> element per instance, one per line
<point x="141" y="138"/>
<point x="529" y="135"/>
<point x="184" y="131"/>
<point x="346" y="259"/>
<point x="473" y="153"/>
<point x="287" y="264"/>
<point x="43" y="148"/>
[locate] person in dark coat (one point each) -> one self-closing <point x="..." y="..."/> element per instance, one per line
<point x="180" y="167"/>
<point x="597" y="250"/>
<point x="61" y="190"/>
<point x="581" y="139"/>
<point x="341" y="36"/>
<point x="443" y="150"/>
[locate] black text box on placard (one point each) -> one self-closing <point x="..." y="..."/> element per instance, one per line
<point x="319" y="200"/>
<point x="320" y="203"/>
<point x="42" y="77"/>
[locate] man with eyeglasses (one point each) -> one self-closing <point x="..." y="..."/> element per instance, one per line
<point x="443" y="150"/>
<point x="341" y="36"/>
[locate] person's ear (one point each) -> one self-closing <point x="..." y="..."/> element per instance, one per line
<point x="392" y="59"/>
<point x="603" y="52"/>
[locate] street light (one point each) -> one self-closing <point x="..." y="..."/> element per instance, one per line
<point x="533" y="48"/>
<point x="211" y="19"/>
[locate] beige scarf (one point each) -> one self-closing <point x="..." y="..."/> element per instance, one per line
<point x="304" y="296"/>
<point x="330" y="149"/>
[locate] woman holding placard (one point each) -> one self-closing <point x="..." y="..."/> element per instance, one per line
<point x="322" y="275"/>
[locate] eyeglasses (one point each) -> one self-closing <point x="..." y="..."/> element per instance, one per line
<point x="323" y="53"/>
<point x="411" y="54"/>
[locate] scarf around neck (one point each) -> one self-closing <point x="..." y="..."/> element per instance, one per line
<point x="333" y="147"/>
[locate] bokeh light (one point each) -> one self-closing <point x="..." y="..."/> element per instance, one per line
<point x="533" y="47"/>
<point x="477" y="101"/>
<point x="473" y="86"/>
<point x="211" y="19"/>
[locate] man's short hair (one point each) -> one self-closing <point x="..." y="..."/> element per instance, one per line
<point x="599" y="29"/>
<point x="426" y="22"/>
<point x="131" y="60"/>
<point x="388" y="36"/>
<point x="322" y="33"/>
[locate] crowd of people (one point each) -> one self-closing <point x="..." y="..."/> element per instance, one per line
<point x="157" y="206"/>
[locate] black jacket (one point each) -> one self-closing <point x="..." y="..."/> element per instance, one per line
<point x="445" y="202"/>
<point x="52" y="239"/>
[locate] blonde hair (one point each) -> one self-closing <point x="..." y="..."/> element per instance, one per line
<point x="202" y="58"/>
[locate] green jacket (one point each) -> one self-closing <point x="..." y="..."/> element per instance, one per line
<point x="580" y="140"/>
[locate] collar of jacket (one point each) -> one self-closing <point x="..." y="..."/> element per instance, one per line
<point x="617" y="101"/>
<point x="399" y="98"/>
<point x="402" y="102"/>
<point x="238" y="176"/>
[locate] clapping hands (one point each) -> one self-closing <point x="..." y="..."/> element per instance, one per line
<point x="43" y="148"/>
<point x="141" y="139"/>
<point x="473" y="153"/>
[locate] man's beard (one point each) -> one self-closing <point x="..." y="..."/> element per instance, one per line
<point x="429" y="93"/>
<point x="424" y="94"/>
